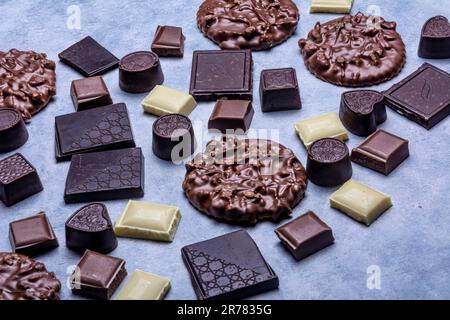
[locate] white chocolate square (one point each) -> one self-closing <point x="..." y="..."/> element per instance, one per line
<point x="162" y="101"/>
<point x="360" y="202"/>
<point x="325" y="126"/>
<point x="331" y="6"/>
<point x="149" y="221"/>
<point x="144" y="286"/>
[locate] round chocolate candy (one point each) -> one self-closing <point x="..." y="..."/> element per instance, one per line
<point x="173" y="137"/>
<point x="140" y="72"/>
<point x="329" y="163"/>
<point x="13" y="132"/>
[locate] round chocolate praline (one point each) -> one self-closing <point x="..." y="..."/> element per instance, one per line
<point x="140" y="72"/>
<point x="329" y="163"/>
<point x="13" y="132"/>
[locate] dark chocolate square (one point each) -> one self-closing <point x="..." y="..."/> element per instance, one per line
<point x="279" y="90"/>
<point x="108" y="175"/>
<point x="89" y="58"/>
<point x="235" y="115"/>
<point x="103" y="128"/>
<point x="305" y="235"/>
<point x="90" y="93"/>
<point x="423" y="97"/>
<point x="98" y="276"/>
<point x="18" y="180"/>
<point x="230" y="267"/>
<point x="168" y="42"/>
<point x="382" y="152"/>
<point x="222" y="74"/>
<point x="32" y="235"/>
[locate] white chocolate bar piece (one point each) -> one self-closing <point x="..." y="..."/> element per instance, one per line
<point x="331" y="6"/>
<point x="144" y="286"/>
<point x="162" y="101"/>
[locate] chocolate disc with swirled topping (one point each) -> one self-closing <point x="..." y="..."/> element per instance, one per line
<point x="248" y="24"/>
<point x="245" y="181"/>
<point x="354" y="51"/>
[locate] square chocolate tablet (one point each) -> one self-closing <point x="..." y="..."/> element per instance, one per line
<point x="279" y="90"/>
<point x="423" y="97"/>
<point x="234" y="115"/>
<point x="18" y="180"/>
<point x="89" y="58"/>
<point x="382" y="152"/>
<point x="98" y="276"/>
<point x="230" y="267"/>
<point x="32" y="235"/>
<point x="144" y="286"/>
<point x="103" y="128"/>
<point x="222" y="74"/>
<point x="305" y="235"/>
<point x="90" y="93"/>
<point x="108" y="175"/>
<point x="168" y="42"/>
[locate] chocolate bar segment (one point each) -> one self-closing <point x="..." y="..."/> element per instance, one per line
<point x="90" y="93"/>
<point x="279" y="90"/>
<point x="145" y="287"/>
<point x="13" y="132"/>
<point x="435" y="39"/>
<point x="98" y="129"/>
<point x="168" y="42"/>
<point x="232" y="115"/>
<point x="108" y="175"/>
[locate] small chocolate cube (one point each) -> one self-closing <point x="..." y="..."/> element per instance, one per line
<point x="90" y="93"/>
<point x="168" y="42"/>
<point x="279" y="90"/>
<point x="232" y="115"/>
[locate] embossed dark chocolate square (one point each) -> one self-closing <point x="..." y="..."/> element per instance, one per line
<point x="90" y="93"/>
<point x="222" y="74"/>
<point x="89" y="58"/>
<point x="279" y="90"/>
<point x="168" y="42"/>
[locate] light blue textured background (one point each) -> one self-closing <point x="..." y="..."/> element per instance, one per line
<point x="411" y="242"/>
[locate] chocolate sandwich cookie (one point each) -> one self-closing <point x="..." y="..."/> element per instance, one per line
<point x="22" y="278"/>
<point x="245" y="181"/>
<point x="13" y="132"/>
<point x="435" y="39"/>
<point x="248" y="24"/>
<point x="354" y="51"/>
<point x="27" y="81"/>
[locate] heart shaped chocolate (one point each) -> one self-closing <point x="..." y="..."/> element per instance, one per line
<point x="435" y="39"/>
<point x="362" y="111"/>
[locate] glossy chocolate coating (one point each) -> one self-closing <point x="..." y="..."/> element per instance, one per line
<point x="435" y="39"/>
<point x="248" y="24"/>
<point x="168" y="42"/>
<point x="27" y="81"/>
<point x="18" y="180"/>
<point x="245" y="181"/>
<point x="13" y="132"/>
<point x="329" y="163"/>
<point x="22" y="278"/>
<point x="362" y="111"/>
<point x="279" y="90"/>
<point x="90" y="93"/>
<point x="229" y="267"/>
<point x="91" y="228"/>
<point x="234" y="115"/>
<point x="140" y="72"/>
<point x="352" y="51"/>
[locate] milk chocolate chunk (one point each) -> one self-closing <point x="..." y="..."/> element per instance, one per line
<point x="248" y="24"/>
<point x="382" y="152"/>
<point x="331" y="6"/>
<point x="27" y="81"/>
<point x="232" y="116"/>
<point x="229" y="267"/>
<point x="305" y="235"/>
<point x="362" y="111"/>
<point x="329" y="163"/>
<point x="98" y="129"/>
<point x="173" y="137"/>
<point x="279" y="90"/>
<point x="98" y="276"/>
<point x="22" y="278"/>
<point x="435" y="39"/>
<point x="168" y="42"/>
<point x="222" y="74"/>
<point x="89" y="58"/>
<point x="90" y="93"/>
<point x="245" y="181"/>
<point x="13" y="132"/>
<point x="423" y="97"/>
<point x="352" y="51"/>
<point x="108" y="175"/>
<point x="91" y="228"/>
<point x="18" y="180"/>
<point x="140" y="72"/>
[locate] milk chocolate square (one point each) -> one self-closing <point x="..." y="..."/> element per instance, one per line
<point x="168" y="42"/>
<point x="234" y="115"/>
<point x="90" y="93"/>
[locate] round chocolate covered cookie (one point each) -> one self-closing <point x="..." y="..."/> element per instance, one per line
<point x="22" y="278"/>
<point x="354" y="51"/>
<point x="248" y="24"/>
<point x="245" y="181"/>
